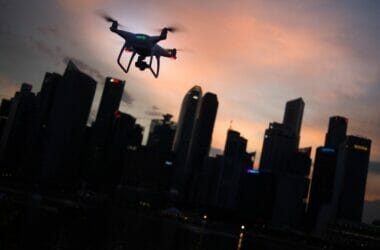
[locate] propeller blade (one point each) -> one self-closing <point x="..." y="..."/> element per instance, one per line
<point x="105" y="16"/>
<point x="173" y="28"/>
<point x="109" y="18"/>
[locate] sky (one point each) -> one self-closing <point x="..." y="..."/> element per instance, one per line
<point x="255" y="55"/>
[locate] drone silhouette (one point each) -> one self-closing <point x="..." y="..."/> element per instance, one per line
<point x="143" y="45"/>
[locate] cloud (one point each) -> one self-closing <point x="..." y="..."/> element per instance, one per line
<point x="374" y="167"/>
<point x="49" y="30"/>
<point x="93" y="72"/>
<point x="127" y="98"/>
<point x="154" y="111"/>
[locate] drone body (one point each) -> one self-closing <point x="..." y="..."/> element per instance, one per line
<point x="144" y="46"/>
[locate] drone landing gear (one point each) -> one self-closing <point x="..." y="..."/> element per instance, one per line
<point x="140" y="63"/>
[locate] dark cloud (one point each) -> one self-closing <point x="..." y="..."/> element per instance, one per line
<point x="127" y="98"/>
<point x="154" y="111"/>
<point x="374" y="167"/>
<point x="86" y="68"/>
<point x="4" y="3"/>
<point x="49" y="30"/>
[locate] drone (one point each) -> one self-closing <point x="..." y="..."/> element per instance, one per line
<point x="144" y="46"/>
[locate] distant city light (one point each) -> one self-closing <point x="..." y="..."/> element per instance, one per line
<point x="169" y="163"/>
<point x="252" y="171"/>
<point x="360" y="147"/>
<point x="328" y="150"/>
<point x="205" y="216"/>
<point x="242" y="227"/>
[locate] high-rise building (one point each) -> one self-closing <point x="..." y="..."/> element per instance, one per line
<point x="235" y="162"/>
<point x="17" y="130"/>
<point x="279" y="145"/>
<point x="322" y="183"/>
<point x="109" y="104"/>
<point x="201" y="138"/>
<point x="281" y="140"/>
<point x="161" y="134"/>
<point x="183" y="134"/>
<point x="293" y="115"/>
<point x="110" y="101"/>
<point x="5" y="108"/>
<point x="235" y="144"/>
<point x="46" y="97"/>
<point x="351" y="178"/>
<point x="186" y="120"/>
<point x="66" y="126"/>
<point x="336" y="133"/>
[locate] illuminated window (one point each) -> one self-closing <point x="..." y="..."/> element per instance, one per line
<point x="360" y="147"/>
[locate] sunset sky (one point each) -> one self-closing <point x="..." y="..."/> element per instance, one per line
<point x="255" y="55"/>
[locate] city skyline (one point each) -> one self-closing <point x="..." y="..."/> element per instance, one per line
<point x="255" y="56"/>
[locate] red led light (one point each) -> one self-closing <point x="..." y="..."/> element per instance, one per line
<point x="115" y="81"/>
<point x="117" y="114"/>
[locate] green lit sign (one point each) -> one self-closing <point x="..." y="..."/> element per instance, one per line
<point x="141" y="37"/>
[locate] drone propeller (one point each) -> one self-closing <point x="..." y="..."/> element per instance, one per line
<point x="173" y="28"/>
<point x="108" y="18"/>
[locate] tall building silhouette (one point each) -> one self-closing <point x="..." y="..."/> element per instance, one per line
<point x="236" y="161"/>
<point x="5" y="108"/>
<point x="351" y="178"/>
<point x="46" y="96"/>
<point x="336" y="133"/>
<point x="184" y="132"/>
<point x="161" y="134"/>
<point x="325" y="167"/>
<point x="111" y="98"/>
<point x="293" y="115"/>
<point x="279" y="145"/>
<point x="109" y="104"/>
<point x="66" y="127"/>
<point x="201" y="139"/>
<point x="17" y="130"/>
<point x="322" y="183"/>
<point x="101" y="129"/>
<point x="281" y="140"/>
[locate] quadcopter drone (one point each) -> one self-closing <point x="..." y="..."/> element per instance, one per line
<point x="143" y="45"/>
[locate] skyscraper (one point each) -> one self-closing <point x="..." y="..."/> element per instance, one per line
<point x="5" y="108"/>
<point x="293" y="115"/>
<point x="101" y="129"/>
<point x="322" y="184"/>
<point x="109" y="104"/>
<point x="161" y="134"/>
<point x="17" y="130"/>
<point x="279" y="145"/>
<point x="183" y="133"/>
<point x="66" y="126"/>
<point x="281" y="139"/>
<point x="336" y="132"/>
<point x="235" y="162"/>
<point x="201" y="138"/>
<point x="186" y="120"/>
<point x="111" y="97"/>
<point x="351" y="178"/>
